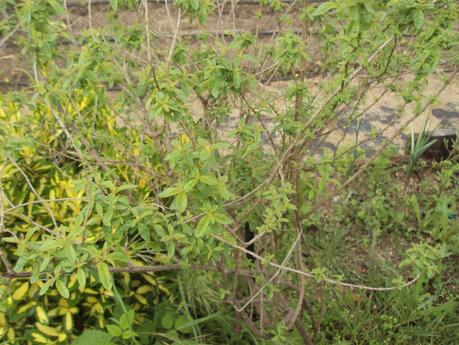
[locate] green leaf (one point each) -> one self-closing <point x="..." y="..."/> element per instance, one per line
<point x="93" y="337"/>
<point x="144" y="232"/>
<point x="168" y="192"/>
<point x="181" y="202"/>
<point x="189" y="185"/>
<point x="127" y="319"/>
<point x="81" y="277"/>
<point x="56" y="6"/>
<point x="70" y="253"/>
<point x="223" y="191"/>
<point x="114" y="4"/>
<point x="181" y="325"/>
<point x="195" y="4"/>
<point x="119" y="256"/>
<point x="369" y="7"/>
<point x="105" y="275"/>
<point x="50" y="245"/>
<point x="215" y="89"/>
<point x="202" y="15"/>
<point x="123" y="322"/>
<point x="222" y="219"/>
<point x="418" y="19"/>
<point x="167" y="321"/>
<point x="46" y="286"/>
<point x="129" y="334"/>
<point x="114" y="330"/>
<point x="324" y="8"/>
<point x="170" y="248"/>
<point x="202" y="226"/>
<point x="125" y="187"/>
<point x="159" y="230"/>
<point x="62" y="288"/>
<point x="209" y="180"/>
<point x="44" y="264"/>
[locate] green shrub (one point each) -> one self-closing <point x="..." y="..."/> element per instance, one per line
<point x="124" y="205"/>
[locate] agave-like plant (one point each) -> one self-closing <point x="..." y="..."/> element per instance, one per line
<point x="419" y="145"/>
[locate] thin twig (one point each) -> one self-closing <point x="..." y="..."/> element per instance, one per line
<point x="174" y="40"/>
<point x="69" y="24"/>
<point x="274" y="276"/>
<point x="8" y="36"/>
<point x="311" y="275"/>
<point x="147" y="30"/>
<point x="90" y="16"/>
<point x="39" y="202"/>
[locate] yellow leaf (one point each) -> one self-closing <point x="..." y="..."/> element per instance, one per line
<point x="30" y="206"/>
<point x="106" y="293"/>
<point x="63" y="303"/>
<point x="126" y="278"/>
<point x="2" y="319"/>
<point x="52" y="194"/>
<point x="53" y="312"/>
<point x="62" y="337"/>
<point x="101" y="321"/>
<point x="111" y="125"/>
<point x="144" y="289"/>
<point x="52" y="332"/>
<point x="140" y="298"/>
<point x="68" y="321"/>
<point x="40" y="339"/>
<point x="26" y="307"/>
<point x="11" y="334"/>
<point x="21" y="291"/>
<point x="84" y="103"/>
<point x="91" y="300"/>
<point x="72" y="280"/>
<point x="184" y="139"/>
<point x="52" y="292"/>
<point x="90" y="291"/>
<point x="149" y="279"/>
<point x="98" y="308"/>
<point x="164" y="289"/>
<point x="41" y="315"/>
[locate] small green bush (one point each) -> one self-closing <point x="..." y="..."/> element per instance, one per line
<point x="124" y="206"/>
